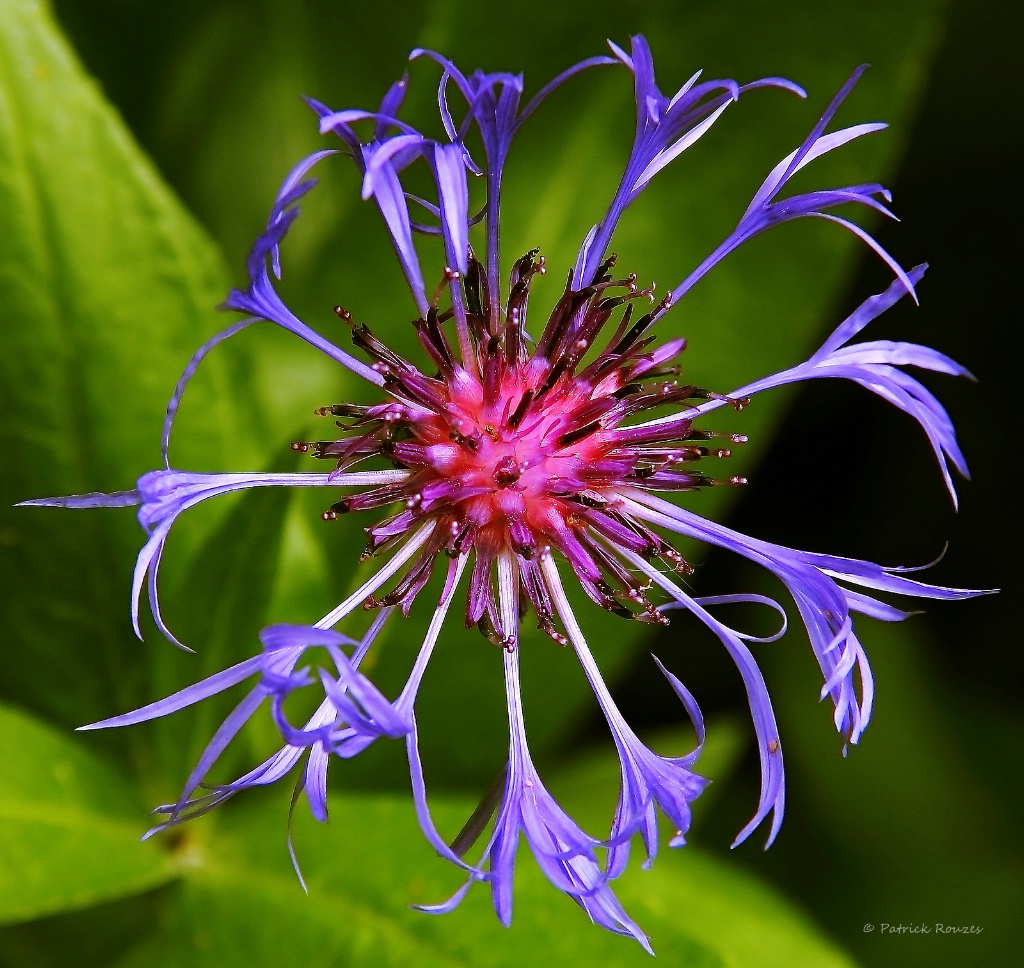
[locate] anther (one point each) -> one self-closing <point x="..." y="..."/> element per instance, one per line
<point x="653" y="615"/>
<point x="602" y="269"/>
<point x="301" y="446"/>
<point x="340" y="507"/>
<point x="450" y="275"/>
<point x="574" y="436"/>
<point x="520" y="410"/>
<point x="548" y="629"/>
<point x="343" y="314"/>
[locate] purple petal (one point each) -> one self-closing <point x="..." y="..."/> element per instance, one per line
<point x="783" y="171"/>
<point x="705" y="600"/>
<point x="867" y="311"/>
<point x="227" y="731"/>
<point x="95" y="499"/>
<point x="390" y="104"/>
<point x="186" y="697"/>
<point x="384" y="154"/>
<point x="672" y="152"/>
<point x="583" y="65"/>
<point x="390" y="199"/>
<point x="453" y="191"/>
<point x="189" y="371"/>
<point x="816" y="132"/>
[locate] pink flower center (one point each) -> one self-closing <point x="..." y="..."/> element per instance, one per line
<point x="513" y="450"/>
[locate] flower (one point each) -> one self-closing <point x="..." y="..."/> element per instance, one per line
<point x="520" y="463"/>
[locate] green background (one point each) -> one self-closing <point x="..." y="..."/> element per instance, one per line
<point x="140" y="146"/>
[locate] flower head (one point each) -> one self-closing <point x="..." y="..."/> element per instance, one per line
<point x="512" y="463"/>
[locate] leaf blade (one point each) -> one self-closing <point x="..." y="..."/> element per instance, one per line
<point x="371" y="862"/>
<point x="106" y="288"/>
<point x="69" y="826"/>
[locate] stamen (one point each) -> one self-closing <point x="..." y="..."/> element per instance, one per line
<point x="449" y="276"/>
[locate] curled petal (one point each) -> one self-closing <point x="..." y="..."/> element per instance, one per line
<point x="705" y="600"/>
<point x="823" y="603"/>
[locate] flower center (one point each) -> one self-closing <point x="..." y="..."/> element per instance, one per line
<point x="518" y="452"/>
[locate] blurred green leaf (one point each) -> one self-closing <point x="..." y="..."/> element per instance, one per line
<point x="94" y="937"/>
<point x="69" y="826"/>
<point x="242" y="905"/>
<point x="106" y="288"/>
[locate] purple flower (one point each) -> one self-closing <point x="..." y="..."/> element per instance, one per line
<point x="520" y="464"/>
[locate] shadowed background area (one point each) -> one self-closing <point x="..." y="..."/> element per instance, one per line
<point x="915" y="826"/>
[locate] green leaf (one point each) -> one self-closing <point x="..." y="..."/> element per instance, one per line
<point x="241" y="905"/>
<point x="106" y="289"/>
<point x="95" y="937"/>
<point x="69" y="826"/>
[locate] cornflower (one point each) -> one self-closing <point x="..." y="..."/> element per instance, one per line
<point x="521" y="463"/>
